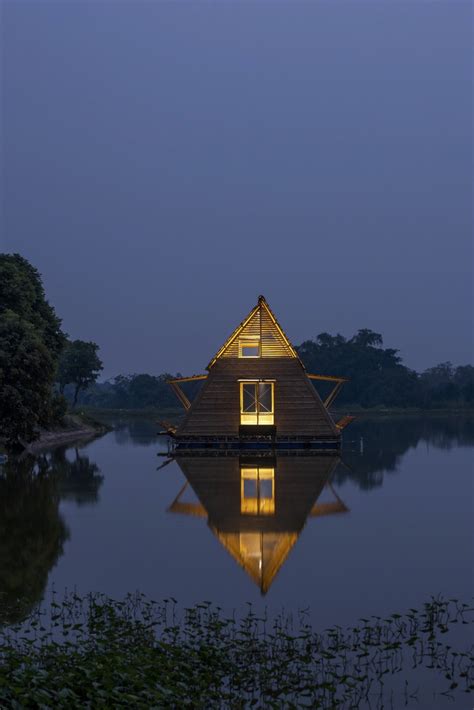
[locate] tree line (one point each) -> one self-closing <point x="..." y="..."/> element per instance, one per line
<point x="42" y="370"/>
<point x="377" y="378"/>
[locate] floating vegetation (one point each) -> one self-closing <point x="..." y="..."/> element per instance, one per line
<point x="96" y="652"/>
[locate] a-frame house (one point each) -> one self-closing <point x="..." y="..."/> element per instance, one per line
<point x="258" y="393"/>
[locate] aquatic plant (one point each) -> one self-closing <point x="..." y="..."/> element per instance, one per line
<point x="97" y="652"/>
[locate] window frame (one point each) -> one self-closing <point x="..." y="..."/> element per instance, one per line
<point x="250" y="342"/>
<point x="257" y="417"/>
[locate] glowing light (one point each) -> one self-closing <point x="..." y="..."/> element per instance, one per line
<point x="257" y="491"/>
<point x="256" y="402"/>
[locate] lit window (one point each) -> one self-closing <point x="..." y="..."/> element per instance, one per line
<point x="256" y="403"/>
<point x="257" y="491"/>
<point x="249" y="347"/>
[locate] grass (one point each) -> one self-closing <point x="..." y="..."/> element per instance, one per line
<point x="96" y="652"/>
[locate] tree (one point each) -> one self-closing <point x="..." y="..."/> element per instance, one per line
<point x="22" y="292"/>
<point x="30" y="342"/>
<point x="464" y="380"/>
<point x="79" y="365"/>
<point x="376" y="374"/>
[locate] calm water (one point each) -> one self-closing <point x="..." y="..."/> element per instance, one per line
<point x="379" y="531"/>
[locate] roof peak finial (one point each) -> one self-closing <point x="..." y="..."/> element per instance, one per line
<point x="261" y="299"/>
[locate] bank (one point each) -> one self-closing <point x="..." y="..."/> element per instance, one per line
<point x="73" y="427"/>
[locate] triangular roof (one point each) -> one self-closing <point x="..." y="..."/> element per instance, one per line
<point x="262" y="324"/>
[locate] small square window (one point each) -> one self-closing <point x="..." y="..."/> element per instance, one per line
<point x="249" y="348"/>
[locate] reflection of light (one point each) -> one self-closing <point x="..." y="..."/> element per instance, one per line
<point x="260" y="563"/>
<point x="257" y="491"/>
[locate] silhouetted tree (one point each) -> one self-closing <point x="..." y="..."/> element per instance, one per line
<point x="79" y="365"/>
<point x="31" y="341"/>
<point x="376" y="374"/>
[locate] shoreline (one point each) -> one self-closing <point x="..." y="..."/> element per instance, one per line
<point x="50" y="439"/>
<point x="75" y="430"/>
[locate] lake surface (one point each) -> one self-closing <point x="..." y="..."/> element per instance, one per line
<point x="378" y="531"/>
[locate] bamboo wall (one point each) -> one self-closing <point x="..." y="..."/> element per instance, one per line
<point x="298" y="407"/>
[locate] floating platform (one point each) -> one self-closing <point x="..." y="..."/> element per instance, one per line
<point x="210" y="444"/>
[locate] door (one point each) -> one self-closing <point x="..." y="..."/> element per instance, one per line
<point x="257" y="403"/>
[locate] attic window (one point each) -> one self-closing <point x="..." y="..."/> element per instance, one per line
<point x="249" y="347"/>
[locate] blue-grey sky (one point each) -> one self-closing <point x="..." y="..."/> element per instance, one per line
<point x="164" y="163"/>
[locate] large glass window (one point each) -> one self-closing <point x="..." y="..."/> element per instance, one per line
<point x="257" y="491"/>
<point x="256" y="403"/>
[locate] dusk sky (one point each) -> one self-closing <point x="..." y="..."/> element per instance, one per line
<point x="164" y="163"/>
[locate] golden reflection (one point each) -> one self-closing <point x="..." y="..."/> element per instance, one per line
<point x="257" y="491"/>
<point x="257" y="507"/>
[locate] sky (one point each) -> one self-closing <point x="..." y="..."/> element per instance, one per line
<point x="164" y="163"/>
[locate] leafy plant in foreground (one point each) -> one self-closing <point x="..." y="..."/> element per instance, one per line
<point x="96" y="652"/>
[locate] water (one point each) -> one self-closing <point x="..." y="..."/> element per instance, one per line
<point x="379" y="531"/>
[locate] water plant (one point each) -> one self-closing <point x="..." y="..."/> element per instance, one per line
<point x="97" y="652"/>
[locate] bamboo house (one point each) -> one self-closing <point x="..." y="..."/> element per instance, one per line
<point x="257" y="394"/>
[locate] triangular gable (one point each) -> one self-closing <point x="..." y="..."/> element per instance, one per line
<point x="260" y="325"/>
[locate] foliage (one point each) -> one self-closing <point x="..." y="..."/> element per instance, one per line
<point x="59" y="407"/>
<point x="98" y="652"/>
<point x="378" y="377"/>
<point x="22" y="292"/>
<point x="30" y="342"/>
<point x="26" y="374"/>
<point x="132" y="392"/>
<point x="444" y="383"/>
<point x="79" y="365"/>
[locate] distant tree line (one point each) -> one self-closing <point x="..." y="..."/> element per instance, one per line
<point x="377" y="377"/>
<point x="39" y="364"/>
<point x="129" y="392"/>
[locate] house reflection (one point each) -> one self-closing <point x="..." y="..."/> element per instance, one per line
<point x="257" y="507"/>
